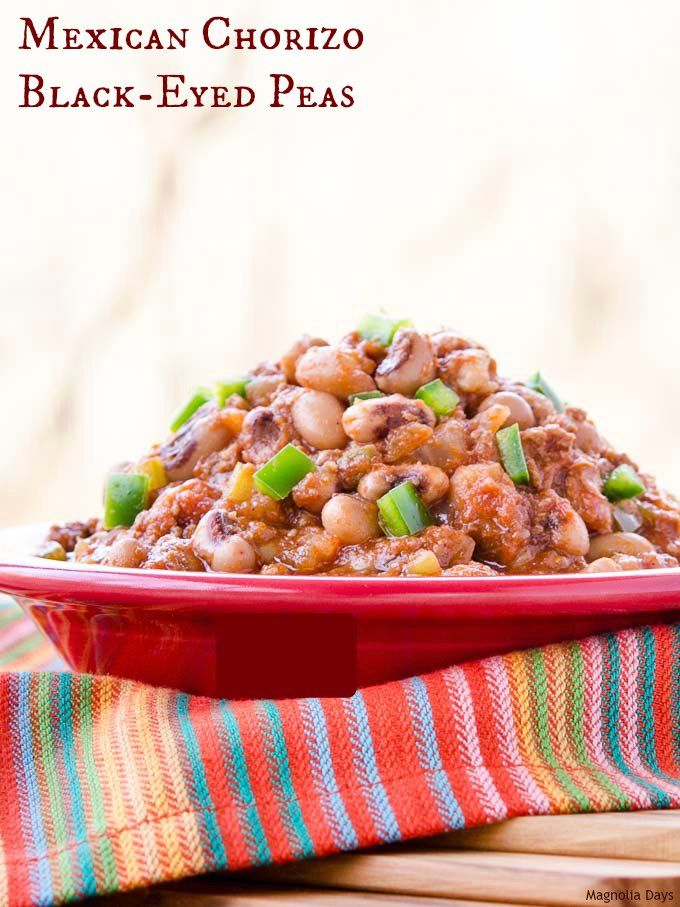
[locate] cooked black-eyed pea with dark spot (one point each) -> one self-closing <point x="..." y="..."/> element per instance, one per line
<point x="430" y="482"/>
<point x="206" y="432"/>
<point x="373" y="420"/>
<point x="409" y="364"/>
<point x="264" y="433"/>
<point x="217" y="542"/>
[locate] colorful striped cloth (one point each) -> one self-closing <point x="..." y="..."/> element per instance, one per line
<point x="107" y="784"/>
<point x="22" y="648"/>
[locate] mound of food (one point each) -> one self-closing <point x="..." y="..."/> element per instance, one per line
<point x="392" y="452"/>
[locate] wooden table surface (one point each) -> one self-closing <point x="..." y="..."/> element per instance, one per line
<point x="551" y="860"/>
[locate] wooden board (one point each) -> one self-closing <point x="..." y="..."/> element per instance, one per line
<point x="513" y="877"/>
<point x="553" y="860"/>
<point x="218" y="893"/>
<point x="653" y="835"/>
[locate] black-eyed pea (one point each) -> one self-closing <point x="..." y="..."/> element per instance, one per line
<point x="372" y="420"/>
<point x="588" y="438"/>
<point x="409" y="364"/>
<point x="217" y="543"/>
<point x="375" y="483"/>
<point x="570" y="534"/>
<point x="430" y="482"/>
<point x="351" y="519"/>
<point x="520" y="411"/>
<point x="234" y="555"/>
<point x="334" y="370"/>
<point x="317" y="488"/>
<point x="203" y="434"/>
<point x="261" y="389"/>
<point x="470" y="371"/>
<point x="289" y="360"/>
<point x="126" y="552"/>
<point x="603" y="565"/>
<point x="612" y="543"/>
<point x="317" y="417"/>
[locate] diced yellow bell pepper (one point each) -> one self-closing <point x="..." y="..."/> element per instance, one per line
<point x="233" y="419"/>
<point x="240" y="486"/>
<point x="52" y="551"/>
<point x="154" y="470"/>
<point x="424" y="563"/>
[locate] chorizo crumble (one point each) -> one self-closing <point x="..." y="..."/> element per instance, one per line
<point x="392" y="452"/>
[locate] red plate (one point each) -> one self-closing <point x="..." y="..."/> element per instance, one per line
<point x="259" y="636"/>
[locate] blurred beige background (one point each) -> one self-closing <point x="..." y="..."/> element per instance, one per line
<point x="512" y="169"/>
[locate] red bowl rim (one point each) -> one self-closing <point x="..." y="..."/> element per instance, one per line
<point x="40" y="578"/>
<point x="56" y="570"/>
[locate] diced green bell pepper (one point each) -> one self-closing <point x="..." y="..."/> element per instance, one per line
<point x="402" y="511"/>
<point x="202" y="396"/>
<point x="438" y="397"/>
<point x="366" y="395"/>
<point x="622" y="483"/>
<point x="381" y="328"/>
<point x="538" y="383"/>
<point x="281" y="474"/>
<point x="228" y="387"/>
<point x="125" y="496"/>
<point x="512" y="454"/>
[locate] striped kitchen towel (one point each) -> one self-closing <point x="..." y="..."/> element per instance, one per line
<point x="106" y="784"/>
<point x="22" y="647"/>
